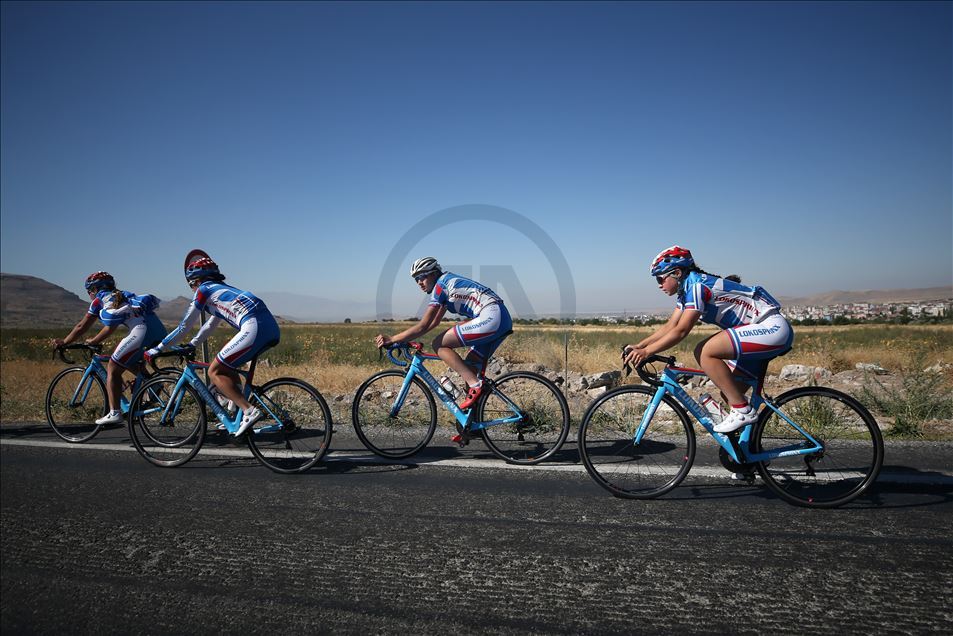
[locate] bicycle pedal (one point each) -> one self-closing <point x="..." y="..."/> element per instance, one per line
<point x="461" y="439"/>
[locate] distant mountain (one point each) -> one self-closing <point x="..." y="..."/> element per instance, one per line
<point x="26" y="301"/>
<point x="871" y="296"/>
<point x="171" y="311"/>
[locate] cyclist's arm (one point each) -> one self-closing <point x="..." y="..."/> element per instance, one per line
<point x="81" y="327"/>
<point x="104" y="333"/>
<point x="190" y="318"/>
<point x="432" y="317"/>
<point x="675" y="333"/>
<point x="206" y="330"/>
<point x="661" y="331"/>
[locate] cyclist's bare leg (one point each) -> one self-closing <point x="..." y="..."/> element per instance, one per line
<point x="711" y="355"/>
<point x="114" y="373"/>
<point x="741" y="386"/>
<point x="228" y="382"/>
<point x="444" y="345"/>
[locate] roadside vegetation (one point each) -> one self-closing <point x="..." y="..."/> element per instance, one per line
<point x="336" y="358"/>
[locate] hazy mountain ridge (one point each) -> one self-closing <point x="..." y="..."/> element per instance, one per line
<point x="875" y="296"/>
<point x="27" y="301"/>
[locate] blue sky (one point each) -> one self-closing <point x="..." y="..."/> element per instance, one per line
<point x="805" y="146"/>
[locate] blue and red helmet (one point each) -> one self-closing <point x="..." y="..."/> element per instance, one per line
<point x="99" y="281"/>
<point x="670" y="259"/>
<point x="202" y="269"/>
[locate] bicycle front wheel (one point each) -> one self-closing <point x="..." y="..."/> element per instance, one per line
<point x="73" y="406"/>
<point x="846" y="466"/>
<point x="295" y="432"/>
<point x="166" y="426"/>
<point x="542" y="412"/>
<point x="651" y="468"/>
<point x="388" y="429"/>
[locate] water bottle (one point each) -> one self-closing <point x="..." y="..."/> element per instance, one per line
<point x="713" y="407"/>
<point x="223" y="401"/>
<point x="448" y="386"/>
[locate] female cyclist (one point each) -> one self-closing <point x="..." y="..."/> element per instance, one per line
<point x="487" y="325"/>
<point x="114" y="308"/>
<point x="754" y="329"/>
<point x="257" y="331"/>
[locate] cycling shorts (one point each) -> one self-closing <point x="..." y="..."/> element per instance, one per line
<point x="756" y="344"/>
<point x="486" y="331"/>
<point x="146" y="334"/>
<point x="255" y="334"/>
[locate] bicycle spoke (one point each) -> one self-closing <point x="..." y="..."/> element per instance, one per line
<point x="648" y="469"/>
<point x="296" y="430"/>
<point x="852" y="447"/>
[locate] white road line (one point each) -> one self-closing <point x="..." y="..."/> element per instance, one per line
<point x="456" y="462"/>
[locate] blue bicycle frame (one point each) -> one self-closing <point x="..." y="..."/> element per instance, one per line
<point x="190" y="377"/>
<point x="416" y="368"/>
<point x="95" y="367"/>
<point x="740" y="450"/>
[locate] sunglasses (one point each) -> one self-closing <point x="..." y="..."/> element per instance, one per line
<point x="420" y="277"/>
<point x="661" y="279"/>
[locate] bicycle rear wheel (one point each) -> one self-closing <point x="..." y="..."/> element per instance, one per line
<point x="166" y="426"/>
<point x="295" y="432"/>
<point x="544" y="424"/>
<point x="388" y="433"/>
<point x="852" y="454"/>
<point x="651" y="468"/>
<point x="73" y="406"/>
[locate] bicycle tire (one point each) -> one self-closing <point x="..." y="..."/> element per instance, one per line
<point x="301" y="434"/>
<point x="160" y="441"/>
<point x="849" y="463"/>
<point x="393" y="436"/>
<point x="650" y="469"/>
<point x="544" y="427"/>
<point x="75" y="423"/>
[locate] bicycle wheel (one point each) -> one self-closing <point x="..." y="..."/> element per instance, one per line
<point x="166" y="427"/>
<point x="651" y="468"/>
<point x="544" y="424"/>
<point x="71" y="409"/>
<point x="853" y="448"/>
<point x="385" y="432"/>
<point x="295" y="432"/>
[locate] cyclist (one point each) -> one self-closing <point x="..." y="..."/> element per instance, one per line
<point x="488" y="322"/>
<point x="257" y="331"/>
<point x="114" y="307"/>
<point x="754" y="331"/>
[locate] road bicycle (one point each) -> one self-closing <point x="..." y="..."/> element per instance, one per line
<point x="522" y="417"/>
<point x="813" y="446"/>
<point x="168" y="416"/>
<point x="77" y="395"/>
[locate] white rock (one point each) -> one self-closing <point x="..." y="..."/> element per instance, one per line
<point x="868" y="367"/>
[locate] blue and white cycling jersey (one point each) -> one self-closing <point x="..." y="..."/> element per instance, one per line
<point x="725" y="303"/>
<point x="137" y="313"/>
<point x="462" y="296"/>
<point x="223" y="302"/>
<point x="135" y="310"/>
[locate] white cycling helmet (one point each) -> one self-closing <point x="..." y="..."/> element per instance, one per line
<point x="424" y="265"/>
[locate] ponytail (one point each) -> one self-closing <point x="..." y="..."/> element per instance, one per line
<point x="118" y="299"/>
<point x="732" y="277"/>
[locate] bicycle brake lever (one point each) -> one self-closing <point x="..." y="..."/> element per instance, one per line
<point x="625" y="365"/>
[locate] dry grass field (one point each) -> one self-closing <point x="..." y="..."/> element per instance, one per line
<point x="336" y="358"/>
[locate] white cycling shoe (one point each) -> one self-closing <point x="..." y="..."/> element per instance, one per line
<point x="113" y="417"/>
<point x="737" y="418"/>
<point x="249" y="417"/>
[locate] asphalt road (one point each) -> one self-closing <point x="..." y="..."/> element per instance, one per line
<point x="94" y="540"/>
